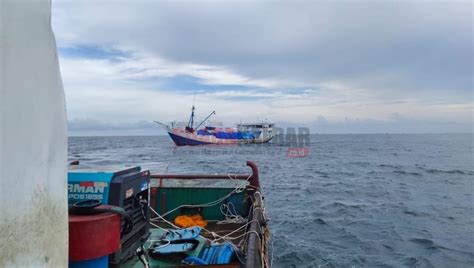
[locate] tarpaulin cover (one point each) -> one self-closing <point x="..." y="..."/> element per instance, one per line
<point x="203" y="132"/>
<point x="229" y="135"/>
<point x="248" y="135"/>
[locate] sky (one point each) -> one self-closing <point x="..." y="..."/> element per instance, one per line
<point x="331" y="66"/>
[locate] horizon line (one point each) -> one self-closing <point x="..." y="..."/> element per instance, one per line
<point x="356" y="133"/>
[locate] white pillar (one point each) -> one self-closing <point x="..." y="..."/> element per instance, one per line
<point x="33" y="139"/>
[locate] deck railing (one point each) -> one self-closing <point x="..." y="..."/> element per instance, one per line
<point x="253" y="178"/>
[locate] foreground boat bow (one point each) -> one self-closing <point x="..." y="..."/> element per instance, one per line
<point x="229" y="209"/>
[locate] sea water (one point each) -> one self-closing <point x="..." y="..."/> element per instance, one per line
<point x="381" y="200"/>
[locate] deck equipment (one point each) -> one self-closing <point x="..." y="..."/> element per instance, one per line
<point x="126" y="188"/>
<point x="92" y="238"/>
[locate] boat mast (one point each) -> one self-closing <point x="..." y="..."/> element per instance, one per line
<point x="191" y="119"/>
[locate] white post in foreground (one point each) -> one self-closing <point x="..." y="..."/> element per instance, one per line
<point x="33" y="140"/>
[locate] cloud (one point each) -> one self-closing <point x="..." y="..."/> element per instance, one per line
<point x="290" y="61"/>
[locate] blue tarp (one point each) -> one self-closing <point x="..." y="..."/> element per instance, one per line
<point x="229" y="135"/>
<point x="203" y="132"/>
<point x="248" y="135"/>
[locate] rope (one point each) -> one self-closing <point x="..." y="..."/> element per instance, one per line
<point x="271" y="256"/>
<point x="162" y="218"/>
<point x="231" y="216"/>
<point x="238" y="189"/>
<point x="225" y="237"/>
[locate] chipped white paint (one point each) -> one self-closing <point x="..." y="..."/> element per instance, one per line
<point x="33" y="141"/>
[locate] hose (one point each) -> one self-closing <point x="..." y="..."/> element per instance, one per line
<point x="92" y="206"/>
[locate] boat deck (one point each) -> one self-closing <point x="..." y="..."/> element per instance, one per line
<point x="224" y="230"/>
<point x="231" y="204"/>
<point x="221" y="229"/>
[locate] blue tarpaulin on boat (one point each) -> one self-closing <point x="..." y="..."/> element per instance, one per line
<point x="236" y="135"/>
<point x="203" y="132"/>
<point x="248" y="135"/>
<point x="229" y="135"/>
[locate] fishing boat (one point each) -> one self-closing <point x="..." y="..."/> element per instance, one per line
<point x="231" y="230"/>
<point x="243" y="133"/>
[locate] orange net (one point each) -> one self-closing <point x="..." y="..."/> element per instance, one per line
<point x="186" y="221"/>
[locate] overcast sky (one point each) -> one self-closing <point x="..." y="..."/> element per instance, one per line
<point x="336" y="67"/>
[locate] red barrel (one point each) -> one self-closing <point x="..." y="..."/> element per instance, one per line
<point x="93" y="236"/>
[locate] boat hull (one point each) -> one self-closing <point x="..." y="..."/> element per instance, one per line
<point x="181" y="138"/>
<point x="183" y="141"/>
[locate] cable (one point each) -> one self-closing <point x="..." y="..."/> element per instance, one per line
<point x="238" y="189"/>
<point x="142" y="257"/>
<point x="165" y="220"/>
<point x="210" y="204"/>
<point x="92" y="206"/>
<point x="168" y="242"/>
<point x="230" y="216"/>
<point x="233" y="238"/>
<point x="159" y="227"/>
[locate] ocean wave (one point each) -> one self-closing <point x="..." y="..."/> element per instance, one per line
<point x="339" y="206"/>
<point x="453" y="171"/>
<point x="417" y="262"/>
<point x="415" y="213"/>
<point x="390" y="166"/>
<point x="402" y="172"/>
<point x="361" y="163"/>
<point x="426" y="243"/>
